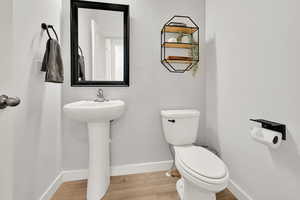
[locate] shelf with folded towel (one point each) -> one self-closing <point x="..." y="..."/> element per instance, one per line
<point x="180" y="45"/>
<point x="180" y="29"/>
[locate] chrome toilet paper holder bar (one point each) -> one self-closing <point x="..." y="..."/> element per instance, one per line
<point x="274" y="126"/>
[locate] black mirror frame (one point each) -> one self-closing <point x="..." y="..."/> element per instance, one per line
<point x="75" y="5"/>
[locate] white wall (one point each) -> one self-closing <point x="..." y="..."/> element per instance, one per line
<point x="252" y="50"/>
<point x="137" y="137"/>
<point x="37" y="124"/>
<point x="6" y="116"/>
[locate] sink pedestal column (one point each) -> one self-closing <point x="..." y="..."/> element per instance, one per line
<point x="99" y="167"/>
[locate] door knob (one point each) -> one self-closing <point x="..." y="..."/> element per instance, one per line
<point x="8" y="101"/>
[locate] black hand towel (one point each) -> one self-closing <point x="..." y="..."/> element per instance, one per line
<point x="52" y="62"/>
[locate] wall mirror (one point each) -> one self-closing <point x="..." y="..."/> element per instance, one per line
<point x="99" y="44"/>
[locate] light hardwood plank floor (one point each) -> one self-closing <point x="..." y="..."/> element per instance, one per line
<point x="148" y="186"/>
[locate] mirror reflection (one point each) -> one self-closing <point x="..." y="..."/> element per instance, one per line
<point x="100" y="45"/>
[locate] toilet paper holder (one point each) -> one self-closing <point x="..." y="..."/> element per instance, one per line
<point x="274" y="126"/>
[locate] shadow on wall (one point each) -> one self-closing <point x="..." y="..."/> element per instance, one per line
<point x="286" y="154"/>
<point x="29" y="123"/>
<point x="36" y="87"/>
<point x="212" y="137"/>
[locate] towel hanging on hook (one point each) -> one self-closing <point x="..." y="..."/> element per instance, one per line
<point x="46" y="27"/>
<point x="52" y="61"/>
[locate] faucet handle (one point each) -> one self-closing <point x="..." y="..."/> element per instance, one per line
<point x="100" y="92"/>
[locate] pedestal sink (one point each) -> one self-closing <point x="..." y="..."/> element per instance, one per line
<point x="97" y="115"/>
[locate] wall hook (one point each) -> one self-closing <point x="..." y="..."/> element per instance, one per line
<point x="46" y="27"/>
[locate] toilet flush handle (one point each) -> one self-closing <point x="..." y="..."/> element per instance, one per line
<point x="172" y="120"/>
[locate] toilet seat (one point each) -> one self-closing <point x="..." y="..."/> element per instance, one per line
<point x="201" y="167"/>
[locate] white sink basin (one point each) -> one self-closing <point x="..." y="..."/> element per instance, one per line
<point x="97" y="115"/>
<point x="92" y="111"/>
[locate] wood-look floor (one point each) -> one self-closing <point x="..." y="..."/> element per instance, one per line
<point x="148" y="186"/>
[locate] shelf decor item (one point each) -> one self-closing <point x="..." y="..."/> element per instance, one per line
<point x="181" y="55"/>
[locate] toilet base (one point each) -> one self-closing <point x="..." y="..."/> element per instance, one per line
<point x="179" y="188"/>
<point x="190" y="191"/>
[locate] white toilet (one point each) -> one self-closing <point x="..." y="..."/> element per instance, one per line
<point x="203" y="173"/>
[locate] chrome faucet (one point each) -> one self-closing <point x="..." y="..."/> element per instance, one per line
<point x="100" y="96"/>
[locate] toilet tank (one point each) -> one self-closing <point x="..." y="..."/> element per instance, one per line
<point x="180" y="127"/>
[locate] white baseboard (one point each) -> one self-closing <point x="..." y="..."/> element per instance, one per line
<point x="75" y="175"/>
<point x="238" y="192"/>
<point x="141" y="168"/>
<point x="52" y="188"/>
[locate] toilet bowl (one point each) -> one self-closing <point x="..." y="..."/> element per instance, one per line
<point x="203" y="173"/>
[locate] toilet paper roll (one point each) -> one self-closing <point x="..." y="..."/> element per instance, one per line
<point x="270" y="138"/>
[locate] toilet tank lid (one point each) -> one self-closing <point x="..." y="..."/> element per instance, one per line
<point x="180" y="113"/>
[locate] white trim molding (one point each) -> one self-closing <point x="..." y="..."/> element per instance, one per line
<point x="237" y="191"/>
<point x="141" y="168"/>
<point x="75" y="175"/>
<point x="53" y="187"/>
<point x="120" y="170"/>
